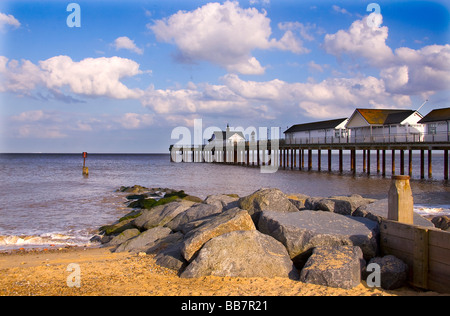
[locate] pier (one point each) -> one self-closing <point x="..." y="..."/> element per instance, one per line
<point x="377" y="157"/>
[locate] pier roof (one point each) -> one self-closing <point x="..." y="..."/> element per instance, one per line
<point x="379" y="117"/>
<point x="315" y="126"/>
<point x="436" y="115"/>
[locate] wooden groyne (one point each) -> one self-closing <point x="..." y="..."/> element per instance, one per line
<point x="300" y="156"/>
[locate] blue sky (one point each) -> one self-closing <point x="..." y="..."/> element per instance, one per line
<point x="135" y="70"/>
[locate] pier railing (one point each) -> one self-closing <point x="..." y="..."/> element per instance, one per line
<point x="383" y="139"/>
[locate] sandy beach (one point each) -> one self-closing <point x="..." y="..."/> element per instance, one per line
<point x="44" y="273"/>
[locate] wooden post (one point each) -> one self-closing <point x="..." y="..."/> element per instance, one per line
<point x="341" y="161"/>
<point x="430" y="164"/>
<point x="353" y="161"/>
<point x="319" y="160"/>
<point x="402" y="162"/>
<point x="248" y="155"/>
<point x="364" y="161"/>
<point x="410" y="162"/>
<point x="401" y="202"/>
<point x="445" y="164"/>
<point x="422" y="164"/>
<point x="287" y="157"/>
<point x="85" y="169"/>
<point x="384" y="163"/>
<point x="295" y="158"/>
<point x="393" y="161"/>
<point x="368" y="161"/>
<point x="378" y="161"/>
<point x="258" y="163"/>
<point x="309" y="159"/>
<point x="303" y="159"/>
<point x="292" y="157"/>
<point x="329" y="160"/>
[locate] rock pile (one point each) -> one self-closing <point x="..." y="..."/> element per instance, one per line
<point x="265" y="234"/>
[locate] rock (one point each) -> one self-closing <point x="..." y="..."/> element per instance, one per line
<point x="228" y="221"/>
<point x="143" y="241"/>
<point x="379" y="209"/>
<point x="298" y="200"/>
<point x="300" y="232"/>
<point x="222" y="200"/>
<point x="195" y="212"/>
<point x="123" y="237"/>
<point x="394" y="272"/>
<point x="242" y="254"/>
<point x="161" y="215"/>
<point x="137" y="196"/>
<point x="338" y="267"/>
<point x="192" y="198"/>
<point x="117" y="227"/>
<point x="266" y="199"/>
<point x="171" y="257"/>
<point x="344" y="205"/>
<point x="442" y="222"/>
<point x="136" y="189"/>
<point x="165" y="242"/>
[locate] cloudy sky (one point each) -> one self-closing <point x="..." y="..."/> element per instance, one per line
<point x="135" y="70"/>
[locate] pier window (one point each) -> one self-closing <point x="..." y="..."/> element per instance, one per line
<point x="432" y="128"/>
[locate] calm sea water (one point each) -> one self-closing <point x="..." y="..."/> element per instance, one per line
<point x="45" y="200"/>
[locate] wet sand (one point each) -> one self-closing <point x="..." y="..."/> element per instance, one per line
<point x="102" y="273"/>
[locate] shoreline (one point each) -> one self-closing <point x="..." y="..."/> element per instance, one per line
<point x="103" y="273"/>
<point x="47" y="271"/>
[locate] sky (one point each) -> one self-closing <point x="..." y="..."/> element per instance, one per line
<point x="122" y="76"/>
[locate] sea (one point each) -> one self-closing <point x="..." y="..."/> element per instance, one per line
<point x="45" y="201"/>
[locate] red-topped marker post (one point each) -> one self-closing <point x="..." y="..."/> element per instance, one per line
<point x="85" y="169"/>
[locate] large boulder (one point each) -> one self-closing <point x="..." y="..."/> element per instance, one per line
<point x="228" y="221"/>
<point x="223" y="201"/>
<point x="165" y="242"/>
<point x="266" y="199"/>
<point x="144" y="240"/>
<point x="171" y="257"/>
<point x="338" y="267"/>
<point x="160" y="215"/>
<point x="300" y="232"/>
<point x="168" y="252"/>
<point x="344" y="205"/>
<point x="195" y="212"/>
<point x="379" y="209"/>
<point x="393" y="271"/>
<point x="242" y="254"/>
<point x="442" y="222"/>
<point x="298" y="200"/>
<point x="123" y="237"/>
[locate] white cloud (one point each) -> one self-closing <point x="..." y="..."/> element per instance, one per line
<point x="422" y="71"/>
<point x="273" y="99"/>
<point x="340" y="10"/>
<point x="30" y="116"/>
<point x="89" y="77"/>
<point x="316" y="67"/>
<point x="135" y="121"/>
<point x="223" y="34"/>
<point x="37" y="124"/>
<point x="126" y="43"/>
<point x="404" y="71"/>
<point x="329" y="98"/>
<point x="8" y="19"/>
<point x="303" y="29"/>
<point x="361" y="40"/>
